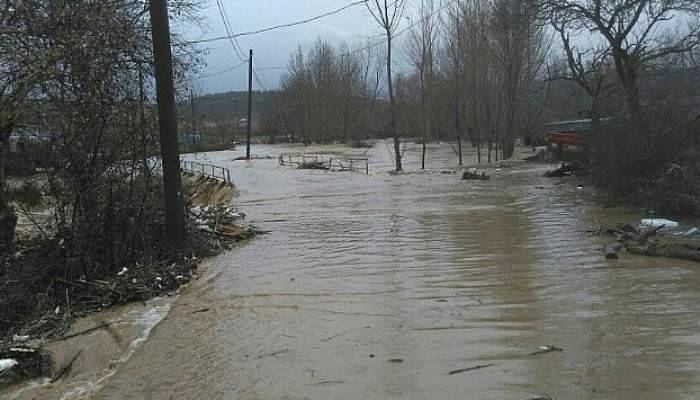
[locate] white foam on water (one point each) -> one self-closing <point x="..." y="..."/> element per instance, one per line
<point x="29" y="386"/>
<point x="148" y="320"/>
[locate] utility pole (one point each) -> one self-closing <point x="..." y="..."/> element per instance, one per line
<point x="250" y="105"/>
<point x="194" y="119"/>
<point x="167" y="123"/>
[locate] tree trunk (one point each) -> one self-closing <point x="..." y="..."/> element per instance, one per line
<point x="167" y="122"/>
<point x="8" y="218"/>
<point x="392" y="126"/>
<point x="423" y="114"/>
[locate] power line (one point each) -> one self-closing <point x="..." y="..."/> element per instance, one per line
<point x="227" y="28"/>
<point x="230" y="35"/>
<point x="222" y="71"/>
<point x="402" y="31"/>
<point x="241" y="54"/>
<point x="262" y="82"/>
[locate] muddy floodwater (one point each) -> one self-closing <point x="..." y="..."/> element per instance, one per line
<point x="378" y="286"/>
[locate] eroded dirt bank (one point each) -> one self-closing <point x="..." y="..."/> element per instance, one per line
<point x="377" y="286"/>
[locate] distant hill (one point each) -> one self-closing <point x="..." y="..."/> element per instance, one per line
<point x="224" y="106"/>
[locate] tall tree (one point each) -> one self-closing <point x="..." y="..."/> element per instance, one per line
<point x="422" y="51"/>
<point x="587" y="68"/>
<point x="388" y="16"/>
<point x="638" y="33"/>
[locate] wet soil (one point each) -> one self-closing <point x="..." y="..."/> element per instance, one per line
<point x="380" y="286"/>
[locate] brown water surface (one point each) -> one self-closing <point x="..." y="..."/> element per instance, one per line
<point x="377" y="286"/>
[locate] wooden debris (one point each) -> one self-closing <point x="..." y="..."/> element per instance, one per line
<point x="541" y="397"/>
<point x="546" y="349"/>
<point x="564" y="170"/>
<point x="612" y="251"/>
<point x="314" y="165"/>
<point x="66" y="368"/>
<point x="102" y="325"/>
<point x="648" y="242"/>
<point x="459" y="371"/>
<point x="471" y="174"/>
<point x="328" y="383"/>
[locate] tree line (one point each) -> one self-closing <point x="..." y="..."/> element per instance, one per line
<point x="77" y="77"/>
<point x="486" y="73"/>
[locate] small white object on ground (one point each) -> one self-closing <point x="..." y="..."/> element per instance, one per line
<point x="658" y="222"/>
<point x="7" y="363"/>
<point x="22" y="350"/>
<point x="692" y="232"/>
<point x="20" y="338"/>
<point x="123" y="271"/>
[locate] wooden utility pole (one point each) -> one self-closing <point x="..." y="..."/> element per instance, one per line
<point x="250" y="105"/>
<point x="167" y="123"/>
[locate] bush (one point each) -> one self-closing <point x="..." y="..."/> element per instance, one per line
<point x="653" y="158"/>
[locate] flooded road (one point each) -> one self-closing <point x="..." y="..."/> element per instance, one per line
<point x="378" y="286"/>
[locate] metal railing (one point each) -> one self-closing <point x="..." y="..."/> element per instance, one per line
<point x="212" y="171"/>
<point x="331" y="163"/>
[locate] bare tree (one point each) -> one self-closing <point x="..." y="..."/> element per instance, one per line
<point x="637" y="33"/>
<point x="388" y="16"/>
<point x="587" y="68"/>
<point x="79" y="76"/>
<point x="422" y="52"/>
<point x="326" y="91"/>
<point x="517" y="42"/>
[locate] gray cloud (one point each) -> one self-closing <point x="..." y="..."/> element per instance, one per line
<point x="272" y="49"/>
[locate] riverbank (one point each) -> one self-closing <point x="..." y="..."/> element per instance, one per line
<point x="42" y="302"/>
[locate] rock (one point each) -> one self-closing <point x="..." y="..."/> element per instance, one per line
<point x="612" y="251"/>
<point x="7" y="363"/>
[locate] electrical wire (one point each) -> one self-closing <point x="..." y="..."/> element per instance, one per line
<point x="402" y="31"/>
<point x="230" y="35"/>
<point x="222" y="71"/>
<point x="240" y="53"/>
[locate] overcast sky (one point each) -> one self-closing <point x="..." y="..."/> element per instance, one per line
<point x="272" y="49"/>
